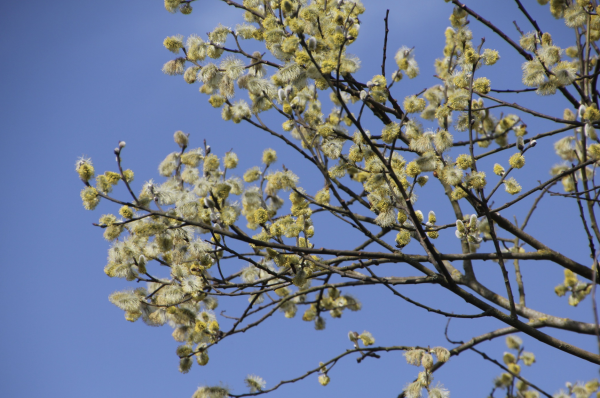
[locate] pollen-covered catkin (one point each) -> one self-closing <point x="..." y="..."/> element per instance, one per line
<point x="403" y="238"/>
<point x="482" y="85"/>
<point x="490" y="57"/>
<point x="517" y="161"/>
<point x="413" y="169"/>
<point x="173" y="43"/>
<point x="252" y="174"/>
<point x="512" y="186"/>
<point x="269" y="156"/>
<point x="464" y="161"/>
<point x="85" y="169"/>
<point x="126" y="212"/>
<point x="261" y="216"/>
<point x="231" y="160"/>
<point x="498" y="169"/>
<point x="413" y="104"/>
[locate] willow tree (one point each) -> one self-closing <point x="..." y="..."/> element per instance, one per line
<point x="203" y="224"/>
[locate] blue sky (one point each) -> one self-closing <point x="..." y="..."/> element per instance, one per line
<point x="77" y="77"/>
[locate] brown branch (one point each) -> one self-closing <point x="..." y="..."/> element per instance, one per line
<point x="532" y="112"/>
<point x="385" y="38"/>
<point x="524" y="90"/>
<point x="429" y="309"/>
<point x="556" y="257"/>
<point x="330" y="362"/>
<point x="531" y="20"/>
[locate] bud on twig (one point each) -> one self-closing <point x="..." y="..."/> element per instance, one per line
<point x="208" y="203"/>
<point x="520" y="143"/>
<point x="281" y="95"/>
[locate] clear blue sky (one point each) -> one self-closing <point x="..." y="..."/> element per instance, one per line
<point x="77" y="77"/>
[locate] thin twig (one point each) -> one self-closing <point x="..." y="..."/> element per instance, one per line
<point x="385" y="38"/>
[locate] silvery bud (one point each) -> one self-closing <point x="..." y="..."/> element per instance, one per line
<point x="473" y="222"/>
<point x="520" y="143"/>
<point x="209" y="204"/>
<point x="353" y="336"/>
<point x="181" y="138"/>
<point x="590" y="131"/>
